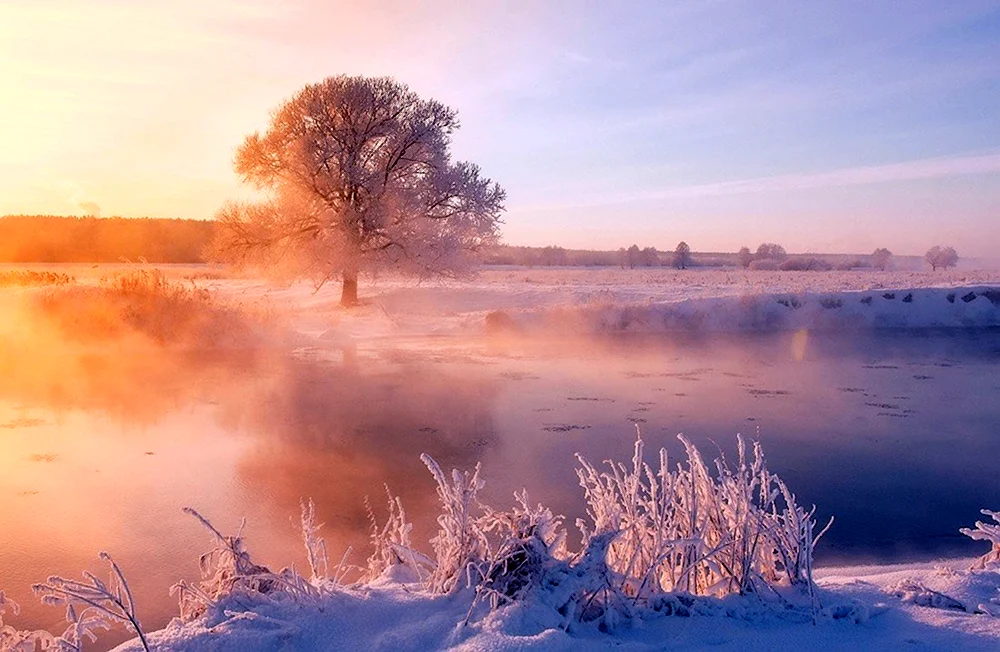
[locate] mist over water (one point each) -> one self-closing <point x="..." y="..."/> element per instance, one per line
<point x="104" y="442"/>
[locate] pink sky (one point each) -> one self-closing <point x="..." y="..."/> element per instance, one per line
<point x="822" y="129"/>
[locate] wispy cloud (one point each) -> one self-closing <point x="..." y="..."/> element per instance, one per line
<point x="931" y="168"/>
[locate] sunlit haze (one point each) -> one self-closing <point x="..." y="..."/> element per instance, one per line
<point x="830" y="127"/>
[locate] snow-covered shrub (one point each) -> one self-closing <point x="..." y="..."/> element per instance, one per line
<point x="529" y="538"/>
<point x="651" y="532"/>
<point x="19" y="640"/>
<point x="91" y="606"/>
<point x="460" y="544"/>
<point x="146" y="303"/>
<point x="738" y="530"/>
<point x="391" y="546"/>
<point x="315" y="545"/>
<point x="986" y="532"/>
<point x="227" y="570"/>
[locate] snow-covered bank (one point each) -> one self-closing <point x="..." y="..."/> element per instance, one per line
<point x="965" y="307"/>
<point x="589" y="300"/>
<point x="881" y="611"/>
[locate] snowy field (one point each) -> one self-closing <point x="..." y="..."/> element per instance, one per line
<point x="587" y="300"/>
<point x="570" y="599"/>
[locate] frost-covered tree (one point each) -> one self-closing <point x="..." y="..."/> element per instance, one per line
<point x="682" y="255"/>
<point x="943" y="257"/>
<point x="633" y="256"/>
<point x="770" y="251"/>
<point x="650" y="257"/>
<point x="881" y="259"/>
<point x="745" y="257"/>
<point x="358" y="177"/>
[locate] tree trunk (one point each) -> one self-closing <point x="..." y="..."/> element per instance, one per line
<point x="349" y="293"/>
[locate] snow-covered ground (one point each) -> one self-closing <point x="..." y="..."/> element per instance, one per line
<point x="879" y="608"/>
<point x="586" y="300"/>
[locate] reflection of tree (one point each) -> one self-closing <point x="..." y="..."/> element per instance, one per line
<point x="337" y="435"/>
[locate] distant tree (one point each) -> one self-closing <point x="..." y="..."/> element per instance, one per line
<point x="744" y="257"/>
<point x="682" y="255"/>
<point x="650" y="257"/>
<point x="943" y="257"/>
<point x="881" y="259"/>
<point x="554" y="256"/>
<point x="634" y="256"/>
<point x="359" y="177"/>
<point x="623" y="257"/>
<point x="770" y="251"/>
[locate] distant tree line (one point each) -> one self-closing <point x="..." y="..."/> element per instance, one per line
<point x="55" y="239"/>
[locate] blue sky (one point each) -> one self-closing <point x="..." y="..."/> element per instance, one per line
<point x="826" y="126"/>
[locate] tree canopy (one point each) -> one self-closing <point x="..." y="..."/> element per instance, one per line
<point x="770" y="251"/>
<point x="881" y="259"/>
<point x="682" y="255"/>
<point x="358" y="176"/>
<point x="744" y="257"/>
<point x="943" y="257"/>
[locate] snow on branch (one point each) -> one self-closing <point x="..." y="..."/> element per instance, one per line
<point x="986" y="532"/>
<point x="92" y="605"/>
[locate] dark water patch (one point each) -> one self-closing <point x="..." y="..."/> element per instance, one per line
<point x="769" y="392"/>
<point x="518" y="375"/>
<point x="565" y="427"/>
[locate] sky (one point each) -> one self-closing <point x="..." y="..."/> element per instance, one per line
<point x="824" y="126"/>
